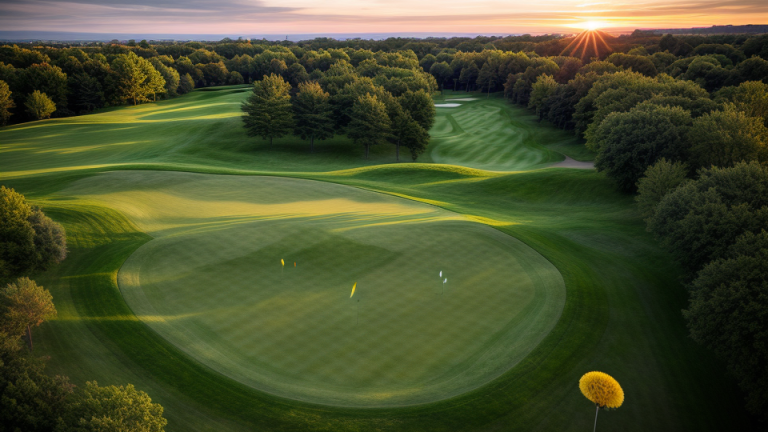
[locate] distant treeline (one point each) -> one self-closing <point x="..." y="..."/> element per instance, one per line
<point x="714" y="30"/>
<point x="73" y="80"/>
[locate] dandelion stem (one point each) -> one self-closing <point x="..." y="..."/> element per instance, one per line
<point x="597" y="410"/>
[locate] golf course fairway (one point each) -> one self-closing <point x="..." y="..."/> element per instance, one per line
<point x="177" y="223"/>
<point x="211" y="282"/>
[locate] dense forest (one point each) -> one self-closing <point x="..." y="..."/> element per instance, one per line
<point x="679" y="120"/>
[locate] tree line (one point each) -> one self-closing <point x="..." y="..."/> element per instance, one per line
<point x="32" y="400"/>
<point x="74" y="79"/>
<point x="386" y="98"/>
<point x="686" y="128"/>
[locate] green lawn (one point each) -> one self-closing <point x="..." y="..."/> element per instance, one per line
<point x="622" y="301"/>
<point x="211" y="282"/>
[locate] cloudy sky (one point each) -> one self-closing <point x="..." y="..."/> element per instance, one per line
<point x="244" y="17"/>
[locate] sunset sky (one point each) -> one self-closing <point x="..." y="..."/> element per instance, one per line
<point x="244" y="17"/>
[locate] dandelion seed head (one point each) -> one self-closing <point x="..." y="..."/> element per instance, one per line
<point x="602" y="389"/>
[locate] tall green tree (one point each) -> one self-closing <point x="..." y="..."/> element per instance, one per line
<point x="415" y="138"/>
<point x="136" y="78"/>
<point x="312" y="113"/>
<point x="659" y="179"/>
<point x="47" y="79"/>
<point x="6" y="103"/>
<point x="115" y="408"/>
<point x="186" y="84"/>
<point x="442" y="72"/>
<point x="541" y="90"/>
<point x="420" y="106"/>
<point x="723" y="138"/>
<point x="699" y="220"/>
<point x="169" y="74"/>
<point x="29" y="241"/>
<point x="32" y="400"/>
<point x="86" y="93"/>
<point x="39" y="105"/>
<point x="469" y="75"/>
<point x="750" y="97"/>
<point x="629" y="142"/>
<point x="370" y="124"/>
<point x="24" y="305"/>
<point x="268" y="111"/>
<point x="728" y="313"/>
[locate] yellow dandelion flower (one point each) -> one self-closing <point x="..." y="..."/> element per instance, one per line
<point x="601" y="389"/>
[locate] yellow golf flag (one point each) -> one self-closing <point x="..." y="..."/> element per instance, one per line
<point x="282" y="262"/>
<point x="353" y="290"/>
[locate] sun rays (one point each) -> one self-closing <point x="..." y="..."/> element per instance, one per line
<point x="588" y="44"/>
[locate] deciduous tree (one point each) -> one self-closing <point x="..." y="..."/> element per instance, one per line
<point x="312" y="113"/>
<point x="268" y="111"/>
<point x="169" y="74"/>
<point x="442" y="72"/>
<point x="39" y="105"/>
<point x="701" y="219"/>
<point x="136" y="78"/>
<point x="420" y="106"/>
<point x="24" y="305"/>
<point x="115" y="408"/>
<point x="29" y="241"/>
<point x="723" y="138"/>
<point x="728" y="314"/>
<point x="370" y="124"/>
<point x="6" y="103"/>
<point x="186" y="84"/>
<point x="628" y="143"/>
<point x="544" y="87"/>
<point x="659" y="179"/>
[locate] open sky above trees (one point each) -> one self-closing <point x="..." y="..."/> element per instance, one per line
<point x="366" y="16"/>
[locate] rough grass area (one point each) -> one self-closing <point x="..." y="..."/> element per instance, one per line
<point x="622" y="299"/>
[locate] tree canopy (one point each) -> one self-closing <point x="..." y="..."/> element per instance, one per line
<point x="29" y="241"/>
<point x="370" y="124"/>
<point x="39" y="105"/>
<point x="6" y="103"/>
<point x="312" y="111"/>
<point x="629" y="142"/>
<point x="268" y="111"/>
<point x="135" y="78"/>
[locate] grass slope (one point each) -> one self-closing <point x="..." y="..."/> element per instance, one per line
<point x="203" y="131"/>
<point x="488" y="133"/>
<point x="211" y="283"/>
<point x="622" y="310"/>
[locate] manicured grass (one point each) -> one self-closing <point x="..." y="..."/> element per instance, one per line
<point x="486" y="132"/>
<point x="621" y="314"/>
<point x="211" y="282"/>
<point x="203" y="130"/>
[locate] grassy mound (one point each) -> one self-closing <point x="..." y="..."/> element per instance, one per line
<point x="211" y="283"/>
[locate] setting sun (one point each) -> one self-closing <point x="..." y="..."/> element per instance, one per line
<point x="593" y="25"/>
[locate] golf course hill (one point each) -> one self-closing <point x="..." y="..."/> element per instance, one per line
<point x="216" y="273"/>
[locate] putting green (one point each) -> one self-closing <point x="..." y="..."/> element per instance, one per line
<point x="211" y="283"/>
